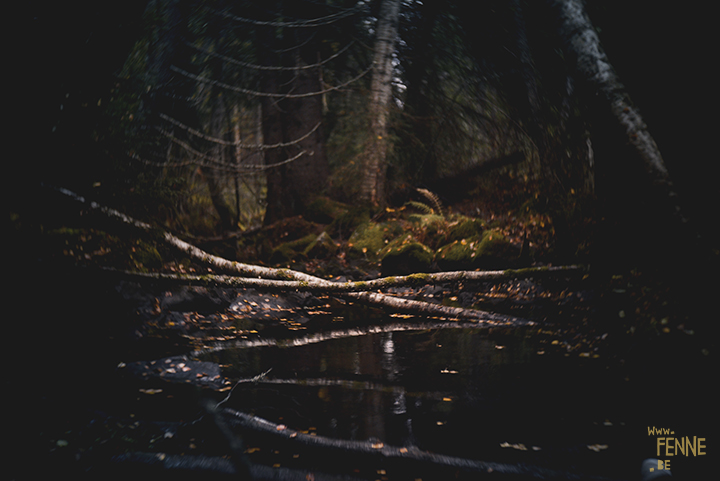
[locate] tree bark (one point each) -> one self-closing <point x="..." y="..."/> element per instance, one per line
<point x="218" y="127"/>
<point x="582" y="44"/>
<point x="286" y="120"/>
<point x="372" y="188"/>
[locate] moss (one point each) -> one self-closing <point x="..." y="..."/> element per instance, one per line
<point x="348" y="222"/>
<point x="526" y="272"/>
<point x="369" y="238"/>
<point x="404" y="256"/>
<point x="418" y="279"/>
<point x="491" y="250"/>
<point x="284" y="274"/>
<point x="146" y="255"/>
<point x="429" y="229"/>
<point x="465" y="228"/>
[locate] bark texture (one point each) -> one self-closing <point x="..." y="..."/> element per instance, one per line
<point x="287" y="120"/>
<point x="372" y="189"/>
<point x="582" y="44"/>
<point x="214" y="180"/>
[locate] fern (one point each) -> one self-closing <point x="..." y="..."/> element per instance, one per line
<point x="433" y="198"/>
<point x="420" y="206"/>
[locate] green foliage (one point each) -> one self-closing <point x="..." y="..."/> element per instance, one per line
<point x="420" y="206"/>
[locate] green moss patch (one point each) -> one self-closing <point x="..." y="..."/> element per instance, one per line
<point x="370" y="238"/>
<point x="405" y="255"/>
<point x="464" y="228"/>
<point x="491" y="250"/>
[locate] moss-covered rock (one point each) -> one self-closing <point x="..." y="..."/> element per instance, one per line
<point x="430" y="229"/>
<point x="491" y="250"/>
<point x="464" y="228"/>
<point x="370" y="238"/>
<point x="405" y="255"/>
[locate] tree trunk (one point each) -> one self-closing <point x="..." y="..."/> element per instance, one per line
<point x="372" y="189"/>
<point x="288" y="120"/>
<point x="582" y="44"/>
<point x="215" y="185"/>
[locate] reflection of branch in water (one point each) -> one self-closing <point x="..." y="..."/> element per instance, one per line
<point x="339" y="334"/>
<point x="355" y="385"/>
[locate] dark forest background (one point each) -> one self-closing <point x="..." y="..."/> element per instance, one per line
<point x="70" y="55"/>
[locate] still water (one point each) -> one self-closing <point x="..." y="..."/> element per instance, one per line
<point x="458" y="391"/>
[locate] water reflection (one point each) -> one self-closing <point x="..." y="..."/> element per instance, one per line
<point x="444" y="390"/>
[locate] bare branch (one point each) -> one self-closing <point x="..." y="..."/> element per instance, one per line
<point x="269" y="67"/>
<point x="216" y="140"/>
<point x="255" y="93"/>
<point x="309" y="23"/>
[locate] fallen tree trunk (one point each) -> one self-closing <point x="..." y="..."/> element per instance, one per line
<point x="287" y="279"/>
<point x="345" y="290"/>
<point x="374" y="451"/>
<point x="327" y="287"/>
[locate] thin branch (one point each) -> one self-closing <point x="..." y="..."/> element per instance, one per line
<point x="310" y="23"/>
<point x="216" y="140"/>
<point x="255" y="93"/>
<point x="211" y="162"/>
<point x="267" y="67"/>
<point x="242" y="381"/>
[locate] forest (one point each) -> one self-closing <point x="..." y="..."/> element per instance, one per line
<point x="361" y="239"/>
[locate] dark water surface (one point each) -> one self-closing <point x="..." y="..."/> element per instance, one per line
<point x="462" y="392"/>
<point x="505" y="396"/>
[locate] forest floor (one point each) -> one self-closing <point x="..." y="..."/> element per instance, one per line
<point x="83" y="392"/>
